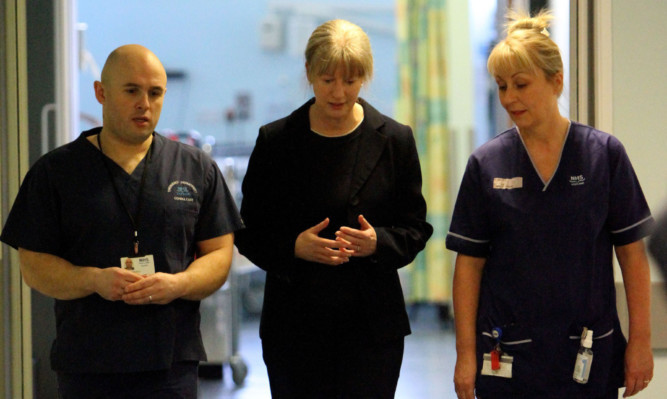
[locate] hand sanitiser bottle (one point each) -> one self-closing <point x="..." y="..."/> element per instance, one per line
<point x="582" y="367"/>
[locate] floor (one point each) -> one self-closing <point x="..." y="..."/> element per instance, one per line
<point x="428" y="363"/>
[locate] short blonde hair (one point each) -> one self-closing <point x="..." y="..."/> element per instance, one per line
<point x="527" y="46"/>
<point x="339" y="43"/>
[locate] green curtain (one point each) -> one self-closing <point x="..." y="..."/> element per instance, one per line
<point x="422" y="104"/>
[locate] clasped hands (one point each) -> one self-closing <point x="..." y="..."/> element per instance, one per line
<point x="349" y="242"/>
<point x="116" y="284"/>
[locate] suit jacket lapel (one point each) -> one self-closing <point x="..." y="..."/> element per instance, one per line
<point x="371" y="147"/>
<point x="297" y="126"/>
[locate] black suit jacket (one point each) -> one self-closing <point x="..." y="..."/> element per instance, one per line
<point x="386" y="189"/>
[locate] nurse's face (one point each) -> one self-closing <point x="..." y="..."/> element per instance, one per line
<point x="529" y="97"/>
<point x="336" y="94"/>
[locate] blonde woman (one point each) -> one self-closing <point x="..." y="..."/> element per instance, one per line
<point x="540" y="211"/>
<point x="333" y="207"/>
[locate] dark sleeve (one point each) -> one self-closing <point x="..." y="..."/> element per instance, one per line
<point x="469" y="232"/>
<point x="218" y="215"/>
<point x="34" y="220"/>
<point x="657" y="244"/>
<point x="629" y="216"/>
<point x="266" y="241"/>
<point x="399" y="244"/>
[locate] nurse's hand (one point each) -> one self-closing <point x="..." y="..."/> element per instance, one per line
<point x="362" y="241"/>
<point x="156" y="289"/>
<point x="465" y="373"/>
<point x="638" y="366"/>
<point x="311" y="247"/>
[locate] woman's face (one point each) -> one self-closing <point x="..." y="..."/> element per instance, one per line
<point x="528" y="97"/>
<point x="335" y="95"/>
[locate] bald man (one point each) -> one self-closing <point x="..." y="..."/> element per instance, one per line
<point x="128" y="231"/>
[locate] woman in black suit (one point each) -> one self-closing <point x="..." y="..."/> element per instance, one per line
<point x="333" y="207"/>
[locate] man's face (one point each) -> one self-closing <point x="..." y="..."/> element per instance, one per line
<point x="132" y="98"/>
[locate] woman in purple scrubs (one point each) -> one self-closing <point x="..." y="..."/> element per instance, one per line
<point x="540" y="211"/>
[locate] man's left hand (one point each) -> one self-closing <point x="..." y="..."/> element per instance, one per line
<point x="156" y="289"/>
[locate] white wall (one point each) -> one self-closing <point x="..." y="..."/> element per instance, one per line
<point x="639" y="49"/>
<point x="639" y="62"/>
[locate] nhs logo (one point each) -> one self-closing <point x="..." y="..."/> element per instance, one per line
<point x="577" y="180"/>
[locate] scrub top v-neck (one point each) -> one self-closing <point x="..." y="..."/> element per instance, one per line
<point x="135" y="215"/>
<point x="560" y="158"/>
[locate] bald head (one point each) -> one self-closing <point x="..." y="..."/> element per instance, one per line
<point x="130" y="56"/>
<point x="131" y="92"/>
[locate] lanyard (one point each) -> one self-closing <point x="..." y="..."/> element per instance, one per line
<point x="134" y="220"/>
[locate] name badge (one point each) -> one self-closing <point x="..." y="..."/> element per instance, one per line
<point x="504" y="368"/>
<point x="143" y="265"/>
<point x="507" y="184"/>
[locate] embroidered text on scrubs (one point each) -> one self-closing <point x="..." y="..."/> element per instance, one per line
<point x="577" y="180"/>
<point x="183" y="191"/>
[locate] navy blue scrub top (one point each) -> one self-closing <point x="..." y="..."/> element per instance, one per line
<point x="548" y="249"/>
<point x="67" y="207"/>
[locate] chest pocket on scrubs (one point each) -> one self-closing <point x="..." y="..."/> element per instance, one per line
<point x="180" y="222"/>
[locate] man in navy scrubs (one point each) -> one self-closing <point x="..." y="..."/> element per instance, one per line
<point x="128" y="231"/>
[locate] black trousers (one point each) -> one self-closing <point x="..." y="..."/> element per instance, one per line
<point x="333" y="368"/>
<point x="179" y="382"/>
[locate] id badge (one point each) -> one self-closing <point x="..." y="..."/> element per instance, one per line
<point x="143" y="265"/>
<point x="505" y="369"/>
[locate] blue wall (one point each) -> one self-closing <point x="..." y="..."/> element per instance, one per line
<point x="216" y="44"/>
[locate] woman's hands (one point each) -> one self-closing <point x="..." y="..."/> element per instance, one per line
<point x="638" y="366"/>
<point x="362" y="241"/>
<point x="313" y="248"/>
<point x="349" y="242"/>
